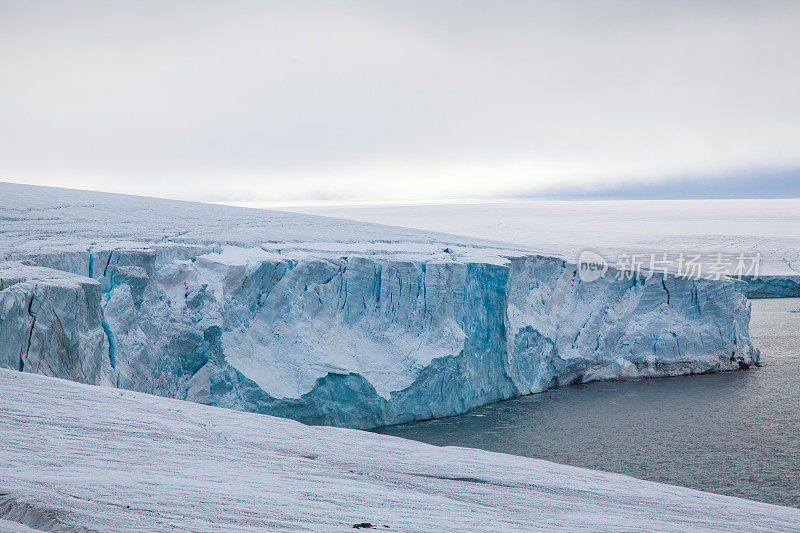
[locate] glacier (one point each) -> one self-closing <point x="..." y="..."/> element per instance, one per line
<point x="329" y="321"/>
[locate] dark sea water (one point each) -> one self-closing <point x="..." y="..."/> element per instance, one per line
<point x="735" y="433"/>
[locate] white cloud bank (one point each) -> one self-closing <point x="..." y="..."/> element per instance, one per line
<point x="258" y="101"/>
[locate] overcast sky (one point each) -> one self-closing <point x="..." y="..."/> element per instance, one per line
<point x="296" y="101"/>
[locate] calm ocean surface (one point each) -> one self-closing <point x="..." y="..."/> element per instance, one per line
<point x="735" y="433"/>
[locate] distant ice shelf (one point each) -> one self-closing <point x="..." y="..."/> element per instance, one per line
<point x="564" y="229"/>
<point x="329" y="321"/>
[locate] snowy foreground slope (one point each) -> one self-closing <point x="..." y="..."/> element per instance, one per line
<point x="612" y="228"/>
<point x="84" y="458"/>
<point x="328" y="321"/>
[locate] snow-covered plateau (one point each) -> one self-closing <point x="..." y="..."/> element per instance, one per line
<point x="78" y="457"/>
<point x="329" y="321"/>
<point x="769" y="227"/>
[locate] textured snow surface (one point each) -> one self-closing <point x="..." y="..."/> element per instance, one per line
<point x="37" y="220"/>
<point x="566" y="228"/>
<point x="83" y="458"/>
<point x="324" y="320"/>
<point x="7" y="526"/>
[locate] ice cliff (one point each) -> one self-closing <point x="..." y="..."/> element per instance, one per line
<point x="389" y="326"/>
<point x="356" y="341"/>
<point x="50" y="323"/>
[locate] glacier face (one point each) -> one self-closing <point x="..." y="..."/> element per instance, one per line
<point x="341" y="324"/>
<point x="368" y="341"/>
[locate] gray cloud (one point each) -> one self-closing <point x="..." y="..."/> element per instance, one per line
<point x="412" y="100"/>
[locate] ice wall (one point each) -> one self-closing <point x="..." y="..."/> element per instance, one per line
<point x="51" y="324"/>
<point x="358" y="341"/>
